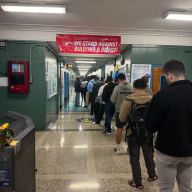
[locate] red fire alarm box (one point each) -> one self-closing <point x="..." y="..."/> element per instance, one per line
<point x="18" y="76"/>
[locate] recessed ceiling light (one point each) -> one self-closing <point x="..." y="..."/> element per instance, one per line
<point x="85" y="61"/>
<point x="178" y="15"/>
<point x="33" y="8"/>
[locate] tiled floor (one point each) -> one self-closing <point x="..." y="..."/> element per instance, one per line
<point x="78" y="157"/>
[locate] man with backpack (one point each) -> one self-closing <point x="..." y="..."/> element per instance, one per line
<point x="133" y="111"/>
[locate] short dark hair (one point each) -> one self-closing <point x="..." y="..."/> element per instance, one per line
<point x="175" y="67"/>
<point x="109" y="79"/>
<point x="121" y="76"/>
<point x="140" y="84"/>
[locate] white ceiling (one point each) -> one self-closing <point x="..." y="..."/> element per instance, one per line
<point x="105" y="14"/>
<point x="137" y="21"/>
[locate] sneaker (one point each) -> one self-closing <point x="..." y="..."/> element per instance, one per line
<point x="105" y="131"/>
<point x="120" y="151"/>
<point x="108" y="132"/>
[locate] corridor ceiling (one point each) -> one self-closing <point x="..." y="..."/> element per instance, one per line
<point x="110" y="15"/>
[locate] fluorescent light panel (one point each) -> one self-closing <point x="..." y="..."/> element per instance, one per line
<point x="84" y="70"/>
<point x="33" y="8"/>
<point x="88" y="67"/>
<point x="85" y="61"/>
<point x="182" y="15"/>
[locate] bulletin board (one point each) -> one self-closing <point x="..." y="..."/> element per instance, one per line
<point x="157" y="73"/>
<point x="51" y="72"/>
<point x="139" y="70"/>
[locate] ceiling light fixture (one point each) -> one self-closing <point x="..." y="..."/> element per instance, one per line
<point x="178" y="15"/>
<point x="85" y="61"/>
<point x="83" y="67"/>
<point x="33" y="8"/>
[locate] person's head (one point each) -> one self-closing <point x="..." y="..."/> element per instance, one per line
<point x="139" y="85"/>
<point x="146" y="78"/>
<point x="109" y="79"/>
<point x="121" y="78"/>
<point x="77" y="79"/>
<point x="95" y="77"/>
<point x="174" y="71"/>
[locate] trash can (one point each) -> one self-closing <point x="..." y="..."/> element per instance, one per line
<point x="17" y="163"/>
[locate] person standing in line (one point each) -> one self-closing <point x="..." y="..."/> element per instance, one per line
<point x="146" y="79"/>
<point x="77" y="91"/>
<point x="137" y="103"/>
<point x="87" y="93"/>
<point x="84" y="90"/>
<point x="122" y="90"/>
<point x="109" y="106"/>
<point x="89" y="90"/>
<point x="170" y="115"/>
<point x="95" y="104"/>
<point x="100" y="104"/>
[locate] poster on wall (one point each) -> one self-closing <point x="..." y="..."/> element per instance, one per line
<point x="139" y="70"/>
<point x="51" y="70"/>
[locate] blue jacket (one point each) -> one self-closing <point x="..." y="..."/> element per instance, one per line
<point x="90" y="86"/>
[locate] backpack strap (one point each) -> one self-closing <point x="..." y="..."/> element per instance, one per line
<point x="128" y="117"/>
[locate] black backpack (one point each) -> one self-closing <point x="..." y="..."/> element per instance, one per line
<point x="136" y="119"/>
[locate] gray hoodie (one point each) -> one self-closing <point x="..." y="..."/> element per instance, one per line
<point x="119" y="93"/>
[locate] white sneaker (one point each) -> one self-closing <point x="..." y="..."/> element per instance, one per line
<point x="120" y="151"/>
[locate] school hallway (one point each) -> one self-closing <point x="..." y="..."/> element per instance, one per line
<point x="75" y="156"/>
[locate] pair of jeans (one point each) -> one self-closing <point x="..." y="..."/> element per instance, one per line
<point x="98" y="111"/>
<point x="109" y="112"/>
<point x="77" y="99"/>
<point x="134" y="145"/>
<point x="170" y="168"/>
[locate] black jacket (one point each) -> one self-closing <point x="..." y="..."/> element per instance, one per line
<point x="107" y="92"/>
<point x="170" y="113"/>
<point x="77" y="86"/>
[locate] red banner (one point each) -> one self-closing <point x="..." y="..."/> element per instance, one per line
<point x="89" y="44"/>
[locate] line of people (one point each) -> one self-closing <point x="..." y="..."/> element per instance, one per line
<point x="168" y="115"/>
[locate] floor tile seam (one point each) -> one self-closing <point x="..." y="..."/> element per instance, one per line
<point x="72" y="145"/>
<point x="41" y="138"/>
<point x="74" y="129"/>
<point x="82" y="176"/>
<point x="91" y="164"/>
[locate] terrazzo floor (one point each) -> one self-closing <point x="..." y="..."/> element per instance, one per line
<point x="78" y="157"/>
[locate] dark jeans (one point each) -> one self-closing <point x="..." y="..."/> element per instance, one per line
<point x="92" y="100"/>
<point x="134" y="145"/>
<point x="109" y="112"/>
<point x="98" y="111"/>
<point x="83" y="96"/>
